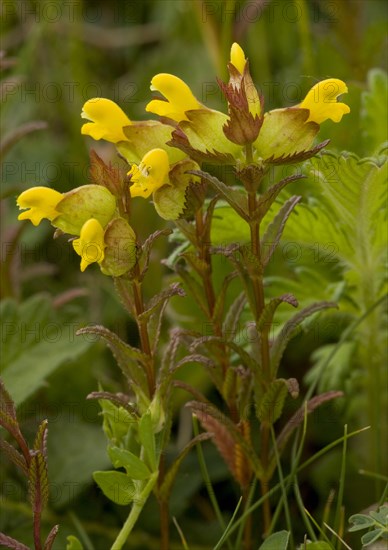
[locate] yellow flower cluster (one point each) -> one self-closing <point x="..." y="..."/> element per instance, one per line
<point x="188" y="131"/>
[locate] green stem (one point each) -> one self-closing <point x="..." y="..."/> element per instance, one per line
<point x="136" y="509"/>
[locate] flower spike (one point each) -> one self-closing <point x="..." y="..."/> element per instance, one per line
<point x="322" y="102"/>
<point x="151" y="173"/>
<point x="107" y="120"/>
<point x="42" y="203"/>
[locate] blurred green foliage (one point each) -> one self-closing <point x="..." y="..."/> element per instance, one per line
<point x="58" y="55"/>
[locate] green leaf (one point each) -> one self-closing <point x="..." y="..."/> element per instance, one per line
<point x="174" y="289"/>
<point x="147" y="439"/>
<point x="275" y="229"/>
<point x="135" y="467"/>
<point x="170" y="201"/>
<point x="270" y="195"/>
<point x="267" y="315"/>
<point x="271" y="405"/>
<point x="75" y="449"/>
<point x="360" y="521"/>
<point x="73" y="543"/>
<point x="121" y="248"/>
<point x="35" y="344"/>
<point x="228" y="227"/>
<point x="83" y="203"/>
<point x="371" y="536"/>
<point x="345" y="219"/>
<point x="128" y="358"/>
<point x="289" y="330"/>
<point x="169" y="478"/>
<point x="276" y="541"/>
<point x="236" y="198"/>
<point x="374" y="113"/>
<point x="117" y="421"/>
<point x="319" y="545"/>
<point x="116" y="486"/>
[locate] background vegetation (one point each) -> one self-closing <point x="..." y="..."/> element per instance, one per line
<point x="58" y="55"/>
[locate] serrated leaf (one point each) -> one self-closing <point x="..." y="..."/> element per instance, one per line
<point x="193" y="286"/>
<point x="169" y="478"/>
<point x="270" y="195"/>
<point x="212" y="418"/>
<point x="147" y="439"/>
<point x="232" y="318"/>
<point x="40" y="443"/>
<point x="297" y="419"/>
<point x="267" y="315"/>
<point x="73" y="543"/>
<point x="271" y="404"/>
<point x="360" y="521"/>
<point x="346" y="217"/>
<point x="14" y="544"/>
<point x="147" y="247"/>
<point x="38" y="486"/>
<point x="51" y="538"/>
<point x="236" y="199"/>
<point x="135" y="467"/>
<point x="290" y="328"/>
<point x="128" y="358"/>
<point x="174" y="289"/>
<point x="371" y="536"/>
<point x="116" y="486"/>
<point x="14" y="455"/>
<point x="374" y="113"/>
<point x="104" y="174"/>
<point x="7" y="404"/>
<point x="275" y="229"/>
<point x="276" y="541"/>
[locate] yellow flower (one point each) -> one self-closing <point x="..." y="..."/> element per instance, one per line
<point x="322" y="102"/>
<point x="42" y="203"/>
<point x="90" y="245"/>
<point x="107" y="120"/>
<point x="178" y="95"/>
<point x="151" y="173"/>
<point x="237" y="57"/>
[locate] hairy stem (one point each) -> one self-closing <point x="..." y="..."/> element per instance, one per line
<point x="143" y="333"/>
<point x="256" y="275"/>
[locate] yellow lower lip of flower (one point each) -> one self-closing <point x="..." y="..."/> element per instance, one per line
<point x="90" y="244"/>
<point x="151" y="173"/>
<point x="107" y="120"/>
<point x="322" y="102"/>
<point x="41" y="203"/>
<point x="178" y="95"/>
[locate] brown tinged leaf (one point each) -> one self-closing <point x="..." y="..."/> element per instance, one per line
<point x="242" y="127"/>
<point x="164" y="490"/>
<point x="14" y="456"/>
<point x="51" y="538"/>
<point x="104" y="174"/>
<point x="226" y="436"/>
<point x="14" y="544"/>
<point x="180" y="140"/>
<point x="38" y="487"/>
<point x="119" y="399"/>
<point x="297" y="419"/>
